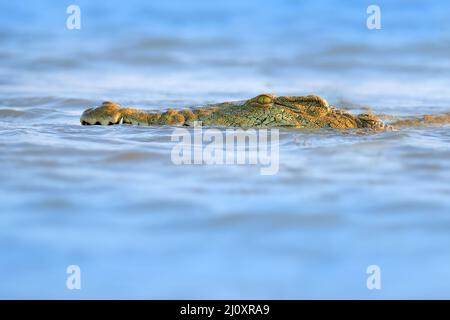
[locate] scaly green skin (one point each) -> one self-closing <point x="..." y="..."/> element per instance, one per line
<point x="263" y="111"/>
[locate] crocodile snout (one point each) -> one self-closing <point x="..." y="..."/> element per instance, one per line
<point x="107" y="114"/>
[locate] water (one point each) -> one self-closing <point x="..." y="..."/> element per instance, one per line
<point x="110" y="200"/>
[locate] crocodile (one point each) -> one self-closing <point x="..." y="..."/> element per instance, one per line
<point x="262" y="111"/>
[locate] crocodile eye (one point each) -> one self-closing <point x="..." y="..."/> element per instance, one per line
<point x="264" y="100"/>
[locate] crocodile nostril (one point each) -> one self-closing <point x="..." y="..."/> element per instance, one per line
<point x="85" y="123"/>
<point x="110" y="123"/>
<point x="98" y="123"/>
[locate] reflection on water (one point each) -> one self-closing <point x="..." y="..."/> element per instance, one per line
<point x="110" y="200"/>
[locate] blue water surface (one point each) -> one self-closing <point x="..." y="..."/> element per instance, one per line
<point x="110" y="200"/>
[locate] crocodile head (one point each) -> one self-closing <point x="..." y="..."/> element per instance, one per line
<point x="265" y="110"/>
